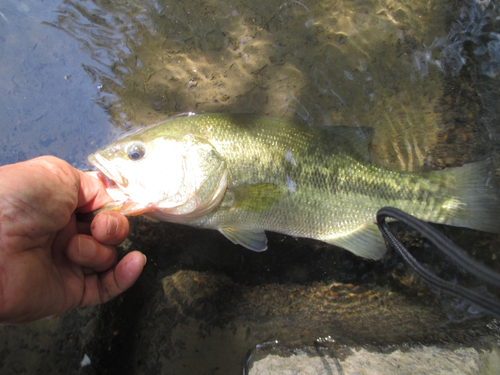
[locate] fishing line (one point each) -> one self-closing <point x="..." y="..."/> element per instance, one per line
<point x="457" y="254"/>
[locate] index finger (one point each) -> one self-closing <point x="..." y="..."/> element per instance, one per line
<point x="92" y="193"/>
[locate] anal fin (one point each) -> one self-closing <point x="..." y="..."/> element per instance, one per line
<point x="367" y="242"/>
<point x="252" y="239"/>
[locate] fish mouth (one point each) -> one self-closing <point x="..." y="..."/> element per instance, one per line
<point x="100" y="163"/>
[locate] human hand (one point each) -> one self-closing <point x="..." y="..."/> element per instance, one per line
<point x="49" y="262"/>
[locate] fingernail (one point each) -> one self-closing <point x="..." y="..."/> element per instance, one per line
<point x="112" y="225"/>
<point x="145" y="259"/>
<point x="86" y="247"/>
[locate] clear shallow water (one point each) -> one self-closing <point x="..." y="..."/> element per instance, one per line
<point x="423" y="75"/>
<point x="382" y="64"/>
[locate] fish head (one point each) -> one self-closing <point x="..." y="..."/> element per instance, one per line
<point x="179" y="175"/>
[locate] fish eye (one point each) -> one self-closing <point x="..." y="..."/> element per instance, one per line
<point x="136" y="152"/>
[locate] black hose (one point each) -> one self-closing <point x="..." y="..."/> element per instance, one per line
<point x="458" y="255"/>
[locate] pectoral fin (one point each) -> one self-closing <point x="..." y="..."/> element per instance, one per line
<point x="255" y="198"/>
<point x="252" y="239"/>
<point x="366" y="242"/>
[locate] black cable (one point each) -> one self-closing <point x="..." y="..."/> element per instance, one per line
<point x="458" y="255"/>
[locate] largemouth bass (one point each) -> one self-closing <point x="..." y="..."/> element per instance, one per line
<point x="244" y="175"/>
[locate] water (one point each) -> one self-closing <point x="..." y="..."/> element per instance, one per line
<point x="423" y="75"/>
<point x="48" y="100"/>
<point x="380" y="64"/>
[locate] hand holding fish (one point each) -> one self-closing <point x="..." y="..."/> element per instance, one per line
<point x="49" y="262"/>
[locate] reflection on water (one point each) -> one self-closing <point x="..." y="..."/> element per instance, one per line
<point x="46" y="97"/>
<point x="424" y="75"/>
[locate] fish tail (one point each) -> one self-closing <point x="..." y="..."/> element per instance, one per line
<point x="477" y="201"/>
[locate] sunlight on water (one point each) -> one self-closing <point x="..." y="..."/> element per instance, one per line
<point x="381" y="64"/>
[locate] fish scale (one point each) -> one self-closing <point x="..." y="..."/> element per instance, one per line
<point x="287" y="178"/>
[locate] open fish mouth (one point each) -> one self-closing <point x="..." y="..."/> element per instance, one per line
<point x="121" y="201"/>
<point x="99" y="162"/>
<point x="108" y="182"/>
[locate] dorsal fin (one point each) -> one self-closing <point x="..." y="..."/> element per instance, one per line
<point x="354" y="141"/>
